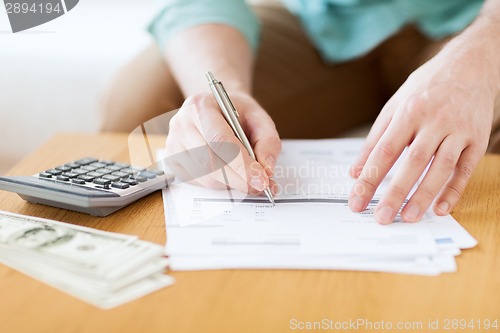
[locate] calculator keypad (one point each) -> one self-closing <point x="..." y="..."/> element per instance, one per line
<point x="105" y="174"/>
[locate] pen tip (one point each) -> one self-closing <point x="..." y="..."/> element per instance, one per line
<point x="210" y="77"/>
<point x="269" y="195"/>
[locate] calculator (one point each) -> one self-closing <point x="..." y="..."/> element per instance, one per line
<point x="88" y="185"/>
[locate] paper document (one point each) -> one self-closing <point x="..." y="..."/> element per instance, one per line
<point x="311" y="226"/>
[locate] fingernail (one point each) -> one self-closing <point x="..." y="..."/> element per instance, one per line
<point x="443" y="207"/>
<point x="412" y="213"/>
<point x="357" y="203"/>
<point x="271" y="163"/>
<point x="257" y="183"/>
<point x="274" y="188"/>
<point x="384" y="215"/>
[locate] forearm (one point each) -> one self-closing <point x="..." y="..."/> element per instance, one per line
<point x="491" y="10"/>
<point x="479" y="45"/>
<point x="215" y="47"/>
<point x="487" y="27"/>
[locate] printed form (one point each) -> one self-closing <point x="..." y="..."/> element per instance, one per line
<point x="311" y="226"/>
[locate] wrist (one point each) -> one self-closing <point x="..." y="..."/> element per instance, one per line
<point x="210" y="47"/>
<point x="234" y="82"/>
<point x="236" y="79"/>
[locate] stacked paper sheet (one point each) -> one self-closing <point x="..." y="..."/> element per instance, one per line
<point x="311" y="226"/>
<point x="103" y="268"/>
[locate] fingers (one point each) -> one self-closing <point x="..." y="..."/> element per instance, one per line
<point x="218" y="134"/>
<point x="380" y="160"/>
<point x="417" y="158"/>
<point x="212" y="164"/>
<point x="184" y="161"/>
<point x="455" y="186"/>
<point x="377" y="130"/>
<point x="264" y="138"/>
<point x="274" y="187"/>
<point x="442" y="166"/>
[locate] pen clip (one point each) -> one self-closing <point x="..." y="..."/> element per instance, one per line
<point x="229" y="99"/>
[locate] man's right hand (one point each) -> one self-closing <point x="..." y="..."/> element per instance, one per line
<point x="200" y="123"/>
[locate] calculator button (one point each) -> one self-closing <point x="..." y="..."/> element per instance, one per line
<point x="120" y="185"/>
<point x="78" y="181"/>
<point x="86" y="178"/>
<point x="107" y="162"/>
<point x="79" y="171"/>
<point x="98" y="165"/>
<point x="73" y="165"/>
<point x="140" y="179"/>
<point x="85" y="161"/>
<point x="120" y="174"/>
<point x="138" y="169"/>
<point x="113" y="167"/>
<point x="147" y="174"/>
<point x="54" y="172"/>
<point x="101" y="181"/>
<point x="127" y="170"/>
<point x="70" y="174"/>
<point x="95" y="174"/>
<point x="111" y="177"/>
<point x="129" y="181"/>
<point x="104" y="171"/>
<point x="89" y="168"/>
<point x="156" y="172"/>
<point x="45" y="175"/>
<point x="63" y="168"/>
<point x="63" y="178"/>
<point x="122" y="165"/>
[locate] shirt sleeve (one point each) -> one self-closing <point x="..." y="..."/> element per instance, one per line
<point x="179" y="15"/>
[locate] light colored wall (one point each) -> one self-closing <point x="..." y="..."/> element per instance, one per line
<point x="51" y="76"/>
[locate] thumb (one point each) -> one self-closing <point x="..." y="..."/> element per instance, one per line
<point x="267" y="150"/>
<point x="263" y="137"/>
<point x="267" y="144"/>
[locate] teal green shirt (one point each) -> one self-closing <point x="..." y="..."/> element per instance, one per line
<point x="340" y="29"/>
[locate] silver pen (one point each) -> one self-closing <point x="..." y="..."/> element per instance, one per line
<point x="231" y="115"/>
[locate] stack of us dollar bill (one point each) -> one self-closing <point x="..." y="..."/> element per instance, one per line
<point x="102" y="268"/>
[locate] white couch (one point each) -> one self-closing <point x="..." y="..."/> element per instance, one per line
<point x="51" y="76"/>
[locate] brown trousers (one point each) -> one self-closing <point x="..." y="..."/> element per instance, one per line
<point x="306" y="97"/>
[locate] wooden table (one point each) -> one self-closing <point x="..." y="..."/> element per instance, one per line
<point x="254" y="300"/>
